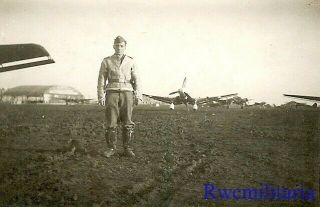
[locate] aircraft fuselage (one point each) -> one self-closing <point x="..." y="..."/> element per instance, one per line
<point x="183" y="99"/>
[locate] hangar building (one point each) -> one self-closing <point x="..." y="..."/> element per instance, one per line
<point x="52" y="94"/>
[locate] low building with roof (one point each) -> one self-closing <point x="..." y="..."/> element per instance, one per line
<point x="49" y="94"/>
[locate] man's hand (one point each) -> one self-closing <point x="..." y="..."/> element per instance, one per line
<point x="138" y="98"/>
<point x="102" y="101"/>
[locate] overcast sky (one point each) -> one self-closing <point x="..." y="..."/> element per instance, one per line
<point x="260" y="49"/>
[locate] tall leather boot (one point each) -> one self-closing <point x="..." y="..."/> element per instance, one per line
<point x="127" y="135"/>
<point x="111" y="138"/>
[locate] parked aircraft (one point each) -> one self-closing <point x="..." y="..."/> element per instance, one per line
<point x="19" y="56"/>
<point x="242" y="102"/>
<point x="311" y="98"/>
<point x="294" y="104"/>
<point x="76" y="101"/>
<point x="184" y="98"/>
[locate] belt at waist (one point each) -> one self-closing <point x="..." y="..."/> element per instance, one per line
<point x="118" y="81"/>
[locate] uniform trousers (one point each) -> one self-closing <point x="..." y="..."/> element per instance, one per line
<point x="119" y="106"/>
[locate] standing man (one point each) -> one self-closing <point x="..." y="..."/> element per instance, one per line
<point x="118" y="89"/>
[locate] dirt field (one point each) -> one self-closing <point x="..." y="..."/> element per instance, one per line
<point x="177" y="152"/>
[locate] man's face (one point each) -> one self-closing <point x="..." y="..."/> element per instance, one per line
<point x="119" y="48"/>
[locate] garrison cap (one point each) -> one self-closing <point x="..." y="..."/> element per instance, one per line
<point x="119" y="39"/>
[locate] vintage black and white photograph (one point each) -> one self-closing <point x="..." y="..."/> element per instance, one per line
<point x="136" y="103"/>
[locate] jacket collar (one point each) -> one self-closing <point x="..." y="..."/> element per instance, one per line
<point x="116" y="55"/>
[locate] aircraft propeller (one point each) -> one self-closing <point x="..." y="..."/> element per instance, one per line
<point x="182" y="88"/>
<point x="173" y="92"/>
<point x="184" y="82"/>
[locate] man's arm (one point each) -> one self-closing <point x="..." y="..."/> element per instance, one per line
<point x="136" y="82"/>
<point x="101" y="83"/>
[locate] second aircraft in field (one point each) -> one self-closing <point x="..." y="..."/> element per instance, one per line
<point x="184" y="98"/>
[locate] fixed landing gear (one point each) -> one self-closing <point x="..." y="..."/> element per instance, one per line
<point x="171" y="106"/>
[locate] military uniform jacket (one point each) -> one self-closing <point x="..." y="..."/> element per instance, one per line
<point x="117" y="75"/>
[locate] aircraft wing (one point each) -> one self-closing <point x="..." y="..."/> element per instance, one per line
<point x="160" y="98"/>
<point x="75" y="100"/>
<point x="313" y="98"/>
<point x="214" y="98"/>
<point x="84" y="100"/>
<point x="229" y="95"/>
<point x="18" y="56"/>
